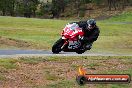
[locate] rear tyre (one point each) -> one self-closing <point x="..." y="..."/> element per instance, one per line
<point x="56" y="48"/>
<point x="80" y="51"/>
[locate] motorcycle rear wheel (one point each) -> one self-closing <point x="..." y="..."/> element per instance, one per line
<point x="56" y="48"/>
<point x="80" y="51"/>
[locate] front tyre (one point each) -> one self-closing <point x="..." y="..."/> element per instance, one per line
<point x="56" y="48"/>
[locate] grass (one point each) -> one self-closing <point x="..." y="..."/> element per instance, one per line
<point x="8" y="63"/>
<point x="91" y="65"/>
<point x="72" y="84"/>
<point x="2" y="78"/>
<point x="114" y="37"/>
<point x="124" y="17"/>
<point x="54" y="72"/>
<point x="33" y="30"/>
<point x="51" y="76"/>
<point x="114" y="86"/>
<point x="31" y="60"/>
<point x="62" y="84"/>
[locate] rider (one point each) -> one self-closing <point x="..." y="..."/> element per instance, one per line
<point x="91" y="33"/>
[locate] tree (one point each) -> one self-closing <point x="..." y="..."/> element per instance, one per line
<point x="29" y="7"/>
<point x="34" y="6"/>
<point x="58" y="6"/>
<point x="7" y="7"/>
<point x="80" y="7"/>
<point x="45" y="8"/>
<point x="3" y="7"/>
<point x="12" y="7"/>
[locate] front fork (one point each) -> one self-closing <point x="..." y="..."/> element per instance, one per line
<point x="65" y="43"/>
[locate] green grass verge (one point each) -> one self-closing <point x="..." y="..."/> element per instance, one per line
<point x="31" y="60"/>
<point x="42" y="32"/>
<point x="8" y="63"/>
<point x="114" y="37"/>
<point x="72" y="84"/>
<point x="63" y="84"/>
<point x="48" y="69"/>
<point x="124" y="17"/>
<point x="2" y="77"/>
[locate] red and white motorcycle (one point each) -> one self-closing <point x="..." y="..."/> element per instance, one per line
<point x="69" y="42"/>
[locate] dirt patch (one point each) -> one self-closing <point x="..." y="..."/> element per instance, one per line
<point x="29" y="75"/>
<point x="14" y="42"/>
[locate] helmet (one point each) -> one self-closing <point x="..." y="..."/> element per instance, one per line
<point x="91" y="23"/>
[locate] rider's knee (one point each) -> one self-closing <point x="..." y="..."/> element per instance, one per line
<point x="88" y="47"/>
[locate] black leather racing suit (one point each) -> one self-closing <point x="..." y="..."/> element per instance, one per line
<point x="89" y="35"/>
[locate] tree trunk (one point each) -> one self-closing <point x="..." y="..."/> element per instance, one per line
<point x="114" y="3"/>
<point x="34" y="13"/>
<point x="3" y="12"/>
<point x="109" y="4"/>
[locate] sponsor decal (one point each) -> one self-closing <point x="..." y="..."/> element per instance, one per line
<point x="84" y="78"/>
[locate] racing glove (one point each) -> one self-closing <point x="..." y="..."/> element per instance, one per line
<point x="81" y="38"/>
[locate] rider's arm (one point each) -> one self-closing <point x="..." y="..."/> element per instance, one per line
<point x="93" y="37"/>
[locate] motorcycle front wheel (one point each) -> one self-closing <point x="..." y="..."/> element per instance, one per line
<point x="56" y="48"/>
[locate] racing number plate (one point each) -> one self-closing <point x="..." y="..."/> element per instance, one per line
<point x="73" y="44"/>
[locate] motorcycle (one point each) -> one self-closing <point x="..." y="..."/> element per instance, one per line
<point x="69" y="42"/>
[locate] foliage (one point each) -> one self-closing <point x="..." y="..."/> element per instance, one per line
<point x="18" y="7"/>
<point x="54" y="8"/>
<point x="7" y="7"/>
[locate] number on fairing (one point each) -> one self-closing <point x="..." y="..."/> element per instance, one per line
<point x="73" y="44"/>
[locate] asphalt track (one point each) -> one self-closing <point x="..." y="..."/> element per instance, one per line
<point x="27" y="53"/>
